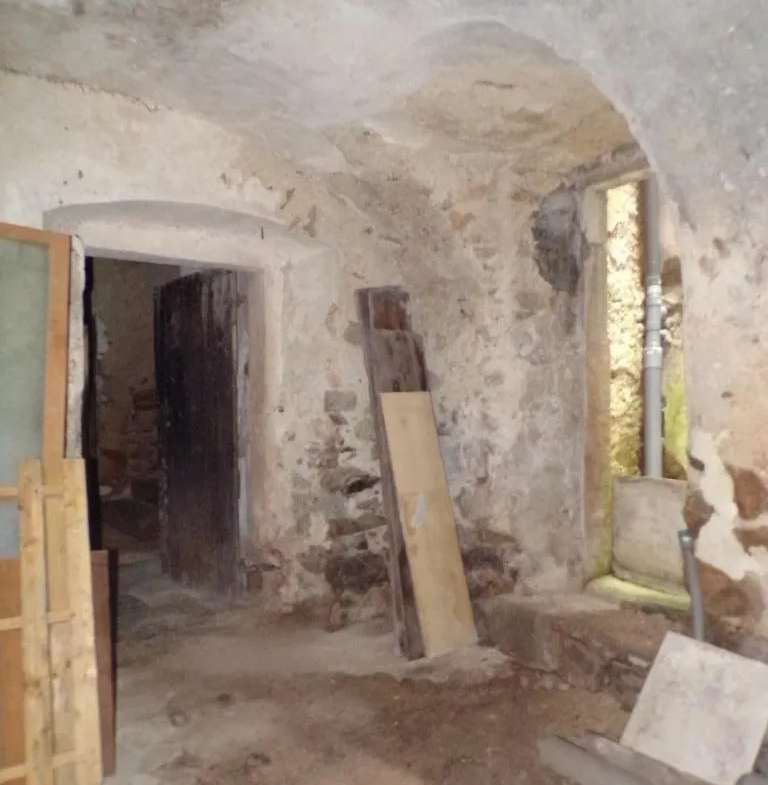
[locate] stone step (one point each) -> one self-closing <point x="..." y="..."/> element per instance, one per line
<point x="587" y="641"/>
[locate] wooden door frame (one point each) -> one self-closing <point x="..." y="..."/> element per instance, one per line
<point x="250" y="365"/>
<point x="244" y="347"/>
<point x="249" y="343"/>
<point x="55" y="386"/>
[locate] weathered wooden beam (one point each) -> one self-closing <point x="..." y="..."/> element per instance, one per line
<point x="394" y="362"/>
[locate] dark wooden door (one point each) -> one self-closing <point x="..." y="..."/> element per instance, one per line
<point x="196" y="356"/>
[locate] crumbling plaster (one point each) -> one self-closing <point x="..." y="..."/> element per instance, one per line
<point x="410" y="143"/>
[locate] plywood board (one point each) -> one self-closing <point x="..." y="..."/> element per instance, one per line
<point x="702" y="711"/>
<point x="429" y="529"/>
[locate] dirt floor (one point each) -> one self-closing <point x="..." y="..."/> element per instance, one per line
<point x="209" y="694"/>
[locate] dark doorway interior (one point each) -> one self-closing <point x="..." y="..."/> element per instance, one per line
<point x="161" y="419"/>
<point x="121" y="422"/>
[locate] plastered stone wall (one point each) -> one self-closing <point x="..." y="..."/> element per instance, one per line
<point x="492" y="258"/>
<point x="497" y="297"/>
<point x="496" y="294"/>
<point x="123" y="312"/>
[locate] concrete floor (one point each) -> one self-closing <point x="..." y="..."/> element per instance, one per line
<point x="209" y="693"/>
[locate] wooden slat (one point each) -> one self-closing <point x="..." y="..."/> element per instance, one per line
<point x="54" y="421"/>
<point x="101" y="571"/>
<point x="11" y="682"/>
<point x="12" y="773"/>
<point x="35" y="633"/>
<point x="27" y="234"/>
<point x="8" y="492"/>
<point x="394" y="361"/>
<point x="16" y="622"/>
<point x="429" y="529"/>
<point x="86" y="725"/>
<point x="12" y="752"/>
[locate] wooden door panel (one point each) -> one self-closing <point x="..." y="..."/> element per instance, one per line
<point x="197" y="386"/>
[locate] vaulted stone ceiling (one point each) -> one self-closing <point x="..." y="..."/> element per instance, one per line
<point x="463" y="74"/>
<point x="293" y="77"/>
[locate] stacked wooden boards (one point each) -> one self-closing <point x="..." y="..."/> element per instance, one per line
<point x="431" y="607"/>
<point x="49" y="685"/>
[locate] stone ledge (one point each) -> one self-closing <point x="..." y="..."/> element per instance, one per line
<point x="588" y="642"/>
<point x="526" y="628"/>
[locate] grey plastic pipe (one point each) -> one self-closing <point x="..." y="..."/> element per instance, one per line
<point x="691" y="569"/>
<point x="653" y="352"/>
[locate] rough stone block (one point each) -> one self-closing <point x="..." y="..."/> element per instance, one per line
<point x="342" y="527"/>
<point x="582" y="665"/>
<point x="528" y="628"/>
<point x="647" y="515"/>
<point x="340" y="400"/>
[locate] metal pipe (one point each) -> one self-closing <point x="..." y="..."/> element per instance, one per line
<point x="691" y="569"/>
<point x="653" y="353"/>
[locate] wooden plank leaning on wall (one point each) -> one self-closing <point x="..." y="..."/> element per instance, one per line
<point x="429" y="529"/>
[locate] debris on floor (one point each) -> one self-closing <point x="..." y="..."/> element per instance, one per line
<point x="210" y="693"/>
<point x="234" y="697"/>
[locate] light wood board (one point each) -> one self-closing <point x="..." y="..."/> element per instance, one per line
<point x="429" y="529"/>
<point x="54" y="427"/>
<point x="12" y="736"/>
<point x="38" y="732"/>
<point x="86" y="728"/>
